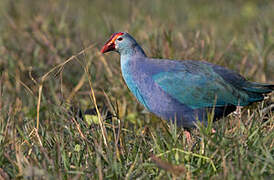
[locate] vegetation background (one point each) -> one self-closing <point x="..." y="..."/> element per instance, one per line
<point x="50" y="67"/>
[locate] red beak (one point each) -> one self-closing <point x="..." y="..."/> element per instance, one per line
<point x="110" y="44"/>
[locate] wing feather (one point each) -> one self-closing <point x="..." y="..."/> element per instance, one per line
<point x="199" y="88"/>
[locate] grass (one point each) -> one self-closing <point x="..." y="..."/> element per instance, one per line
<point x="50" y="62"/>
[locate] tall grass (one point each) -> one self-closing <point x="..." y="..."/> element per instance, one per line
<point x="50" y="68"/>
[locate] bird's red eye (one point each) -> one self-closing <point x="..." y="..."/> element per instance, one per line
<point x="120" y="39"/>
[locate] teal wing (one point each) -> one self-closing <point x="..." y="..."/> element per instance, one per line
<point x="200" y="87"/>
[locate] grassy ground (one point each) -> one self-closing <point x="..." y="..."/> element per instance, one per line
<point x="50" y="62"/>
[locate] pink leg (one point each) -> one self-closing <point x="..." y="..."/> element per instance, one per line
<point x="188" y="136"/>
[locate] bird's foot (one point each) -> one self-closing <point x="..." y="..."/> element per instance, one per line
<point x="238" y="111"/>
<point x="238" y="115"/>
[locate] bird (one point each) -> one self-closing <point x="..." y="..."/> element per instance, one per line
<point x="182" y="91"/>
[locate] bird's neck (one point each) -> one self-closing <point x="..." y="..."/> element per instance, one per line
<point x="134" y="51"/>
<point x="129" y="56"/>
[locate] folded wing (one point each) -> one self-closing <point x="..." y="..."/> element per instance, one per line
<point x="198" y="85"/>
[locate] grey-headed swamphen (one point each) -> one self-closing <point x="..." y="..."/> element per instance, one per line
<point x="185" y="90"/>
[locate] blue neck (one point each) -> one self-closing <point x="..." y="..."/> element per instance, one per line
<point x="130" y="54"/>
<point x="128" y="57"/>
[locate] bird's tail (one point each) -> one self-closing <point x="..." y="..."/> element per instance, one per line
<point x="259" y="87"/>
<point x="256" y="91"/>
